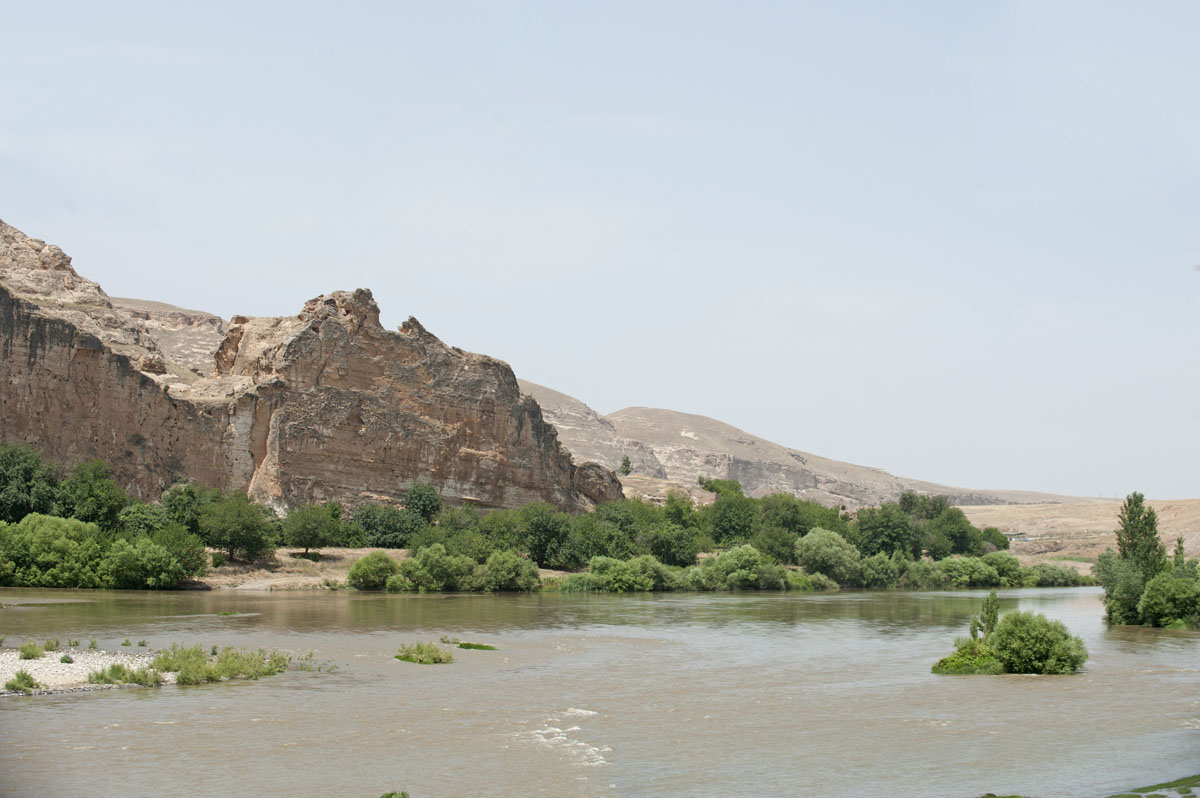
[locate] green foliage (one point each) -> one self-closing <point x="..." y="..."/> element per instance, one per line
<point x="888" y="529"/>
<point x="741" y="568"/>
<point x="51" y="644"/>
<point x="194" y="667"/>
<point x="386" y="526"/>
<point x="721" y="487"/>
<point x="185" y="502"/>
<point x="879" y="570"/>
<point x="21" y="682"/>
<point x="185" y="547"/>
<point x="423" y="500"/>
<point x="119" y="674"/>
<point x="672" y="543"/>
<point x="923" y="508"/>
<point x="372" y="572"/>
<point x="973" y="657"/>
<point x="679" y="509"/>
<point x="997" y="538"/>
<point x="310" y="526"/>
<point x="731" y="518"/>
<point x="774" y="541"/>
<point x="616" y="576"/>
<point x="818" y="582"/>
<point x="592" y="535"/>
<point x="1046" y="574"/>
<point x="424" y="654"/>
<point x="1137" y="537"/>
<point x="952" y="524"/>
<point x="545" y="530"/>
<point x="143" y="520"/>
<point x="66" y="659"/>
<point x="218" y="560"/>
<point x="798" y="516"/>
<point x="233" y="523"/>
<point x="1006" y="566"/>
<point x="44" y="551"/>
<point x="508" y="571"/>
<point x="825" y="552"/>
<point x="30" y="650"/>
<point x="433" y="570"/>
<point x="475" y="646"/>
<point x="140" y="564"/>
<point x="27" y="484"/>
<point x="626" y="467"/>
<point x="90" y="495"/>
<point x="1025" y="642"/>
<point x="1171" y="598"/>
<point x="969" y="572"/>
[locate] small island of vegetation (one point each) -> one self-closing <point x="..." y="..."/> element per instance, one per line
<point x="1020" y="642"/>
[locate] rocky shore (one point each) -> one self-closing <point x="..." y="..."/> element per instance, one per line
<point x="68" y="677"/>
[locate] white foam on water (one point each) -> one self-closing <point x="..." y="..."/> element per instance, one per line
<point x="552" y="735"/>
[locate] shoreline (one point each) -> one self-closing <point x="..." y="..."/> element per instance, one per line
<point x="61" y="677"/>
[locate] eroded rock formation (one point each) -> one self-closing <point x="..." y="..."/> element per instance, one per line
<point x="325" y="405"/>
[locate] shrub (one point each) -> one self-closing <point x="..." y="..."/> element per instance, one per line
<point x="545" y="530"/>
<point x="423" y="500"/>
<point x="506" y="570"/>
<point x="1169" y="598"/>
<point x="193" y="667"/>
<point x="237" y="525"/>
<point x="1027" y="643"/>
<point x="1123" y="586"/>
<point x="969" y="572"/>
<point x="185" y="547"/>
<point x="972" y="657"/>
<point x="51" y="644"/>
<point x="997" y="538"/>
<point x="21" y="682"/>
<point x="424" y="654"/>
<point x="372" y="571"/>
<point x="44" y="551"/>
<point x="879" y="570"/>
<point x="30" y="650"/>
<point x="1005" y="565"/>
<point x="432" y="570"/>
<point x="142" y="520"/>
<point x="27" y="484"/>
<point x="66" y="659"/>
<point x="825" y="552"/>
<point x="1046" y="575"/>
<point x="140" y="564"/>
<point x="821" y="582"/>
<point x="119" y="674"/>
<point x="90" y="495"/>
<point x="218" y="559"/>
<point x="925" y="575"/>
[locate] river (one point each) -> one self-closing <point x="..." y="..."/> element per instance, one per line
<point x="747" y="694"/>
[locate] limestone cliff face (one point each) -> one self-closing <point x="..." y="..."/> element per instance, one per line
<point x="326" y="405"/>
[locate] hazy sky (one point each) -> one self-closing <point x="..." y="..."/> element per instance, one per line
<point x="957" y="241"/>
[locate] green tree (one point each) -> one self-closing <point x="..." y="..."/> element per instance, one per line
<point x="184" y="502"/>
<point x="824" y="552"/>
<point x="679" y="509"/>
<point x="1137" y="537"/>
<point x="310" y="526"/>
<point x="239" y="526"/>
<point x="732" y="517"/>
<point x="626" y="467"/>
<point x="424" y="500"/>
<point x="386" y="526"/>
<point x="952" y="524"/>
<point x="888" y="528"/>
<point x="185" y="547"/>
<point x="27" y="485"/>
<point x="140" y="518"/>
<point x="545" y="530"/>
<point x="721" y="487"/>
<point x="90" y="495"/>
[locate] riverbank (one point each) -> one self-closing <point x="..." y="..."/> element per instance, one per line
<point x="55" y="676"/>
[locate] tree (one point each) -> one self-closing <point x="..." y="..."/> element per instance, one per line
<point x="721" y="487"/>
<point x="952" y="524"/>
<point x="91" y="495"/>
<point x="140" y="518"/>
<point x="27" y="485"/>
<point x="373" y="571"/>
<point x="887" y="528"/>
<point x="732" y="518"/>
<point x="237" y="525"/>
<point x="310" y="526"/>
<point x="1137" y="537"/>
<point x="184" y="502"/>
<point x="545" y="530"/>
<point x="424" y="500"/>
<point x="626" y="467"/>
<point x="386" y="526"/>
<point x="824" y="552"/>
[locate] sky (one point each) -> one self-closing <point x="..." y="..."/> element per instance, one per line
<point x="957" y="241"/>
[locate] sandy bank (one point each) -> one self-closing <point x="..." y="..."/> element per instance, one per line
<point x="63" y="677"/>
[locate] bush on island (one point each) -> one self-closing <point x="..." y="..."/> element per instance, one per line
<point x="1019" y="642"/>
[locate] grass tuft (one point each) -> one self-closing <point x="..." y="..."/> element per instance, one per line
<point x="424" y="654"/>
<point x="31" y="650"/>
<point x="21" y="682"/>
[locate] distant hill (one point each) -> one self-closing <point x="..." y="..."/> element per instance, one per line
<point x="667" y="448"/>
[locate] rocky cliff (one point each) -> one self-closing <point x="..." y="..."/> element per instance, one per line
<point x="671" y="450"/>
<point x="325" y="405"/>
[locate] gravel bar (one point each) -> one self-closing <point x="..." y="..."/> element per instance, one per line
<point x="64" y="677"/>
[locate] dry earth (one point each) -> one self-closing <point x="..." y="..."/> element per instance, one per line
<point x="1076" y="534"/>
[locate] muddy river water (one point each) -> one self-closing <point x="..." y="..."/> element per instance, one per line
<point x="587" y="695"/>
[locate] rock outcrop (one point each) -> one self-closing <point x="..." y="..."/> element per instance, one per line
<point x="325" y="405"/>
